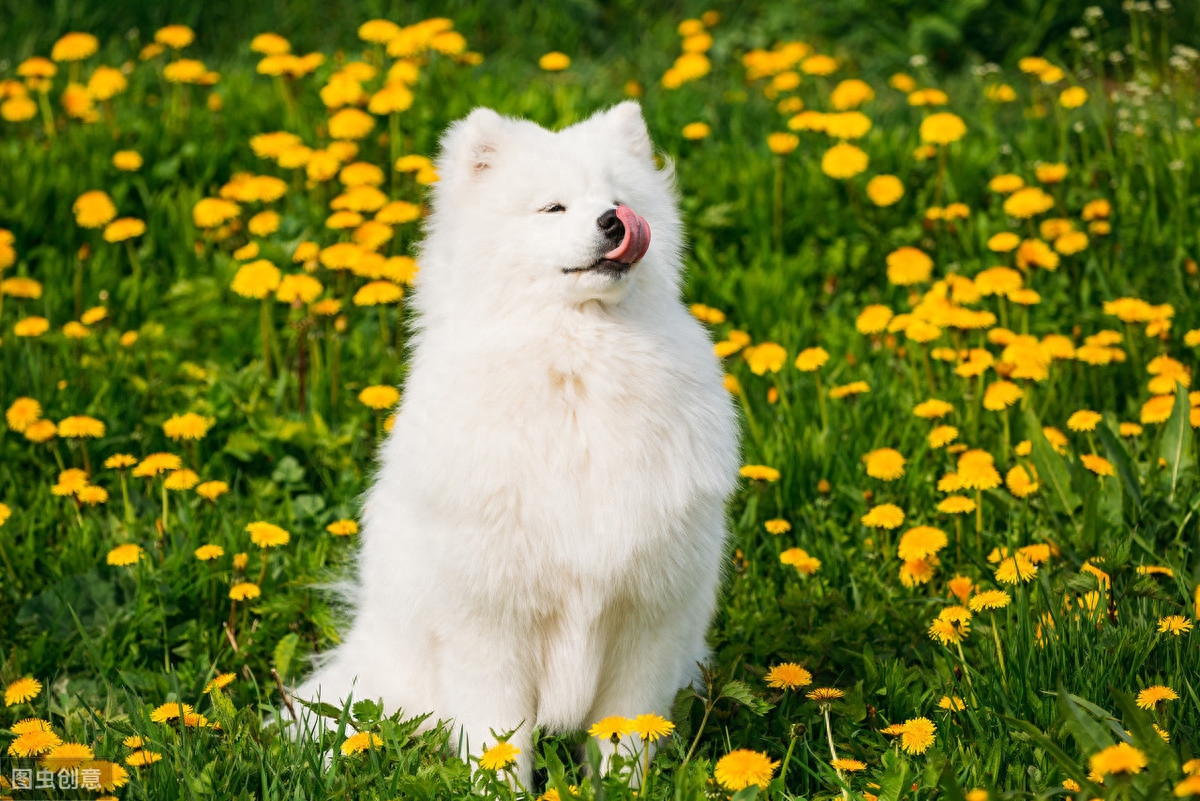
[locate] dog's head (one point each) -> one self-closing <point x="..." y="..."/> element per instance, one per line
<point x="567" y="217"/>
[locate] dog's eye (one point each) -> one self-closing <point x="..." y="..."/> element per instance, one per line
<point x="553" y="208"/>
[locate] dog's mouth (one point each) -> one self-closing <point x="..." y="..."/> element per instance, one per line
<point x="608" y="267"/>
<point x="630" y="239"/>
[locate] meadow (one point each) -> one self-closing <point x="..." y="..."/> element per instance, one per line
<point x="955" y="309"/>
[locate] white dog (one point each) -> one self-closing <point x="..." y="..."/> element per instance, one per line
<point x="542" y="546"/>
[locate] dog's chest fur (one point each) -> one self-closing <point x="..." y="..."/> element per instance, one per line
<point x="581" y="451"/>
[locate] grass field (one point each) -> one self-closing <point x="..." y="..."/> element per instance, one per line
<point x="956" y="310"/>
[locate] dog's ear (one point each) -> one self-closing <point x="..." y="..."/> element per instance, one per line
<point x="470" y="145"/>
<point x="626" y="121"/>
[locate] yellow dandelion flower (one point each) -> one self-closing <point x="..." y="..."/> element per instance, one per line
<point x="124" y="555"/>
<point x="908" y="265"/>
<point x="267" y="535"/>
<point x="22" y="413"/>
<point x="846" y="390"/>
<point x="379" y="397"/>
<point x="22" y="690"/>
<point x="742" y="767"/>
<point x="554" y="61"/>
<point x="918" y="735"/>
<point x="220" y="682"/>
<point x="142" y="758"/>
<point x="211" y="490"/>
<point x="942" y="435"/>
<point x="124" y="228"/>
<point x="885" y="190"/>
<point x="1175" y="625"/>
<point x="942" y="129"/>
<point x="799" y="558"/>
<point x="885" y="515"/>
<point x="207" y="553"/>
<point x="921" y="542"/>
<point x="1001" y="394"/>
<point x="613" y="727"/>
<point x="244" y="591"/>
<point x="27" y="725"/>
<point x="1121" y="758"/>
<point x="886" y="464"/>
<point x="157" y="463"/>
<point x="873" y="319"/>
<point x="1151" y="697"/>
<point x="788" y="676"/>
<point x="956" y="505"/>
<point x="342" y="528"/>
<point x="989" y="599"/>
<point x="1028" y="202"/>
<point x="651" y="727"/>
<point x="843" y="161"/>
<point x="94" y="209"/>
<point x="1016" y="569"/>
<point x="33" y="743"/>
<point x="74" y="47"/>
<point x="933" y="409"/>
<point x="361" y="741"/>
<point x="1097" y="464"/>
<point x="256" y="279"/>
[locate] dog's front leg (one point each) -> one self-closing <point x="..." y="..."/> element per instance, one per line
<point x="485" y="686"/>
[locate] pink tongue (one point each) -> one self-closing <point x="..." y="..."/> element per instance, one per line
<point x="637" y="237"/>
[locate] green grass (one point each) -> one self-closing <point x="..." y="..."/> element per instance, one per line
<point x="112" y="643"/>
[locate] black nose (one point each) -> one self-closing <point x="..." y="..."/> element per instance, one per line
<point x="612" y="227"/>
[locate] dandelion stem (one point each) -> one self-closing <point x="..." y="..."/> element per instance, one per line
<point x="787" y="758"/>
<point x="833" y="751"/>
<point x="266" y="336"/>
<point x="966" y="670"/>
<point x="47" y="115"/>
<point x="821" y="401"/>
<point x="262" y="574"/>
<point x="709" y="703"/>
<point x="125" y="499"/>
<point x="133" y="303"/>
<point x="979" y="519"/>
<point x="384" y="337"/>
<point x="999" y="653"/>
<point x="166" y="509"/>
<point x="778" y="209"/>
<point x="1005" y="444"/>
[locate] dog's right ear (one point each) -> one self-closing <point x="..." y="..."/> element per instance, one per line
<point x="470" y="145"/>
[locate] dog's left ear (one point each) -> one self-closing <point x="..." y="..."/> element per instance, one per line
<point x="627" y="122"/>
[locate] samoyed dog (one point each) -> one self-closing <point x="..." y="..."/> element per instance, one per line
<point x="542" y="545"/>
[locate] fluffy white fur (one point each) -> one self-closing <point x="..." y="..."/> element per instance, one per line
<point x="543" y="541"/>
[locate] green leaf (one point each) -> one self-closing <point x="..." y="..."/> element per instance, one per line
<point x="740" y="691"/>
<point x="746" y="793"/>
<point x="367" y="711"/>
<point x="892" y="783"/>
<point x="285" y="649"/>
<point x="1089" y="734"/>
<point x="319" y="707"/>
<point x="1119" y="457"/>
<point x="1069" y="765"/>
<point x="1052" y="469"/>
<point x="596" y="768"/>
<point x="1177" y="439"/>
<point x="949" y="783"/>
